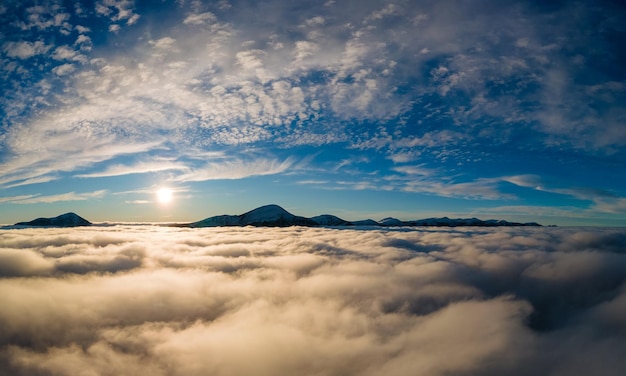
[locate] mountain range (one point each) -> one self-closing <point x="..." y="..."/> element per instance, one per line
<point x="275" y="216"/>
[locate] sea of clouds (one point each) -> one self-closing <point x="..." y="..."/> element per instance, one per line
<point x="150" y="300"/>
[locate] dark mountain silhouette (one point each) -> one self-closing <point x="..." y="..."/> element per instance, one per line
<point x="268" y="215"/>
<point x="329" y="220"/>
<point x="275" y="216"/>
<point x="63" y="220"/>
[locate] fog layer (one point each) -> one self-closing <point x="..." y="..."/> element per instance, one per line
<point x="126" y="300"/>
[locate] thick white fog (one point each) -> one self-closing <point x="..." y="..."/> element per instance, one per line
<point x="131" y="300"/>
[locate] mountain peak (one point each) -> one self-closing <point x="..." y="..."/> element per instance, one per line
<point x="267" y="215"/>
<point x="270" y="211"/>
<point x="329" y="220"/>
<point x="64" y="220"/>
<point x="273" y="215"/>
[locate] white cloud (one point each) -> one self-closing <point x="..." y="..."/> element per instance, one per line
<point x="164" y="43"/>
<point x="610" y="205"/>
<point x="138" y="168"/>
<point x="45" y="16"/>
<point x="199" y="19"/>
<point x="171" y="301"/>
<point x="83" y="40"/>
<point x="71" y="196"/>
<point x="250" y="59"/>
<point x="527" y="181"/>
<point x="117" y="10"/>
<point x="305" y="49"/>
<point x="315" y="21"/>
<point x="16" y="198"/>
<point x="61" y="146"/>
<point x="82" y="29"/>
<point x="484" y="188"/>
<point x="138" y="202"/>
<point x="133" y="19"/>
<point x="414" y="170"/>
<point x="224" y="4"/>
<point x="63" y="69"/>
<point x="25" y="49"/>
<point x="236" y="169"/>
<point x="388" y="10"/>
<point x="68" y="53"/>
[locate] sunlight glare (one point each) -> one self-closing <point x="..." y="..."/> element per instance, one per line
<point x="164" y="195"/>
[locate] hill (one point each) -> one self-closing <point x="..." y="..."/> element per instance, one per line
<point x="63" y="220"/>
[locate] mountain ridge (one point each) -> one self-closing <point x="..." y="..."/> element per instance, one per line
<point x="270" y="215"/>
<point x="273" y="215"/>
<point x="70" y="219"/>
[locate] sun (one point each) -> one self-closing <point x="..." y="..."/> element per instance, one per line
<point x="164" y="195"/>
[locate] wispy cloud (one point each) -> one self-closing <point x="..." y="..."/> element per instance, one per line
<point x="236" y="169"/>
<point x="138" y="168"/>
<point x="16" y="198"/>
<point x="200" y="18"/>
<point x="600" y="200"/>
<point x="70" y="196"/>
<point x="138" y="202"/>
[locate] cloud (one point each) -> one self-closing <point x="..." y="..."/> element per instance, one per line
<point x="177" y="301"/>
<point x="254" y="94"/>
<point x="388" y="10"/>
<point x="410" y="82"/>
<point x="67" y="53"/>
<point x="420" y="179"/>
<point x="138" y="202"/>
<point x="602" y="201"/>
<point x="15" y="198"/>
<point x="610" y="205"/>
<point x="118" y="10"/>
<point x="44" y="17"/>
<point x="138" y="168"/>
<point x="200" y="18"/>
<point x="71" y="196"/>
<point x="236" y="169"/>
<point x="25" y="49"/>
<point x="63" y="69"/>
<point x="484" y="188"/>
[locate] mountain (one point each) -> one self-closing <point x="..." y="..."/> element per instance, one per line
<point x="391" y="222"/>
<point x="63" y="220"/>
<point x="365" y="222"/>
<point x="218" y="220"/>
<point x="268" y="215"/>
<point x="275" y="216"/>
<point x="329" y="220"/>
<point x="456" y="222"/>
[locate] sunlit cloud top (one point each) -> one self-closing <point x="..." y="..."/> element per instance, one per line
<point x="130" y="300"/>
<point x="483" y="107"/>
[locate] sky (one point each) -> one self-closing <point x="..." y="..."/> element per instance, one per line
<point x="364" y="109"/>
<point x="129" y="300"/>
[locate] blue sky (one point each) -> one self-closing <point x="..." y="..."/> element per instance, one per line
<point x="494" y="109"/>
